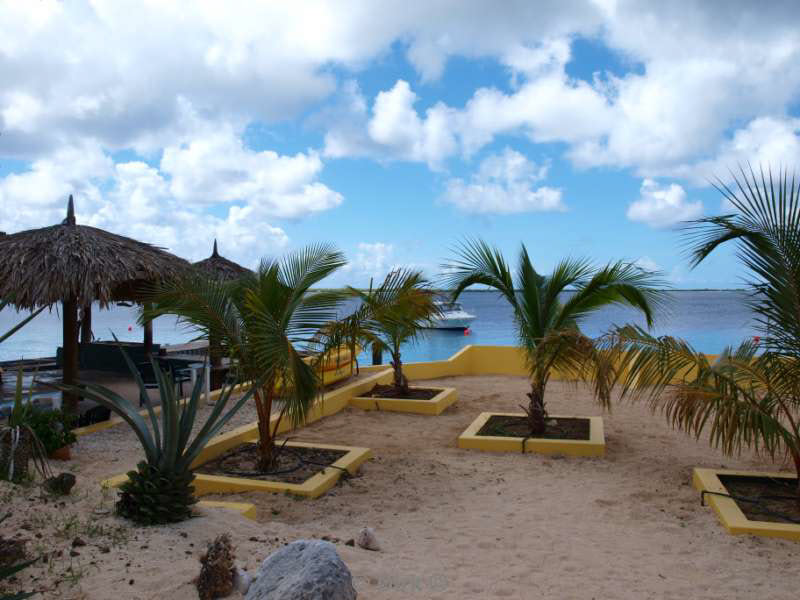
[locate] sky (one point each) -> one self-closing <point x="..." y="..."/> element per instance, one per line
<point x="396" y="129"/>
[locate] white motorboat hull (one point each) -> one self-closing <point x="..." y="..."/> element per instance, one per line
<point x="452" y="323"/>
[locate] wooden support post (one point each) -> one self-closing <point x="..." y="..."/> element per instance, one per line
<point x="86" y="324"/>
<point x="70" y="356"/>
<point x="377" y="355"/>
<point x="148" y="337"/>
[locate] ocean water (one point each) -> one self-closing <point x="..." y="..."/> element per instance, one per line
<point x="709" y="320"/>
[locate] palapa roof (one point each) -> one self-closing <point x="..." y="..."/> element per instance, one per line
<point x="220" y="267"/>
<point x="40" y="267"/>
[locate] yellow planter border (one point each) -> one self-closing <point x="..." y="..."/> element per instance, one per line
<point x="730" y="515"/>
<point x="435" y="406"/>
<point x="594" y="446"/>
<point x="313" y="487"/>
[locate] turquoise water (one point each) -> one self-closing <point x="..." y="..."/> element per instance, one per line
<point x="709" y="320"/>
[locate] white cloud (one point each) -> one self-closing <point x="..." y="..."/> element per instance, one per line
<point x="697" y="75"/>
<point x="708" y="89"/>
<point x="216" y="167"/>
<point x="120" y="70"/>
<point x="372" y="260"/>
<point x="549" y="107"/>
<point x="207" y="187"/>
<point x="663" y="206"/>
<point x="504" y="184"/>
<point x="765" y="141"/>
<point x="648" y="264"/>
<point x="392" y="130"/>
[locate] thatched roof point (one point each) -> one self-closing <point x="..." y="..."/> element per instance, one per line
<point x="40" y="267"/>
<point x="219" y="267"/>
<point x="70" y="220"/>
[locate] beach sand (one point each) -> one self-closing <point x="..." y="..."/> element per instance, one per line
<point x="452" y="523"/>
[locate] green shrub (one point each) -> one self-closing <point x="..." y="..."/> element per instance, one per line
<point x="52" y="427"/>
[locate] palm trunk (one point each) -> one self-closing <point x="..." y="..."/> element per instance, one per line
<point x="266" y="445"/>
<point x="400" y="380"/>
<point x="537" y="415"/>
<point x="70" y="399"/>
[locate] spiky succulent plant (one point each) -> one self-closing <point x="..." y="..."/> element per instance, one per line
<point x="160" y="490"/>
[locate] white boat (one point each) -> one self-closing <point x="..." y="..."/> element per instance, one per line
<point x="452" y="316"/>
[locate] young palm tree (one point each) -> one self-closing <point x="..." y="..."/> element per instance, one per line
<point x="548" y="329"/>
<point x="264" y="323"/>
<point x="747" y="399"/>
<point x="394" y="313"/>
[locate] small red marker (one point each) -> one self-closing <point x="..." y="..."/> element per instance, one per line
<point x="130" y="327"/>
<point x="467" y="331"/>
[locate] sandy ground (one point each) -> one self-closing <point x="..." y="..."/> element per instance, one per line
<point x="453" y="523"/>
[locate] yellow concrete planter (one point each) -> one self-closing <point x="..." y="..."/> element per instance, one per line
<point x="435" y="406"/>
<point x="729" y="513"/>
<point x="594" y="446"/>
<point x="313" y="487"/>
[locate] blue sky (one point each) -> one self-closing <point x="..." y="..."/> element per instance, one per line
<point x="577" y="128"/>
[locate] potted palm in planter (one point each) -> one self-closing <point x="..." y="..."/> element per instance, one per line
<point x="267" y="323"/>
<point x="551" y="339"/>
<point x="749" y="396"/>
<point x="393" y="315"/>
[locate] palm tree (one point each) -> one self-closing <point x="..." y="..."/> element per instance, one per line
<point x="264" y="323"/>
<point x="746" y="398"/>
<point x="547" y="329"/>
<point x="394" y="314"/>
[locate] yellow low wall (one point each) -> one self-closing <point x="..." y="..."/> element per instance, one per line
<point x="470" y="360"/>
<point x="476" y="360"/>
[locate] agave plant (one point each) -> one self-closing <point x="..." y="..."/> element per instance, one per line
<point x="19" y="443"/>
<point x="160" y="489"/>
<point x="394" y="313"/>
<point x="547" y="329"/>
<point x="749" y="397"/>
<point x="265" y="322"/>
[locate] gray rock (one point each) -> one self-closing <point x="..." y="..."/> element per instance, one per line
<point x="303" y="570"/>
<point x="61" y="484"/>
<point x="366" y="539"/>
<point x="241" y="580"/>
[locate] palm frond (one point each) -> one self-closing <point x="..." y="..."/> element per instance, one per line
<point x="617" y="283"/>
<point x="744" y="399"/>
<point x="477" y="263"/>
<point x="765" y="230"/>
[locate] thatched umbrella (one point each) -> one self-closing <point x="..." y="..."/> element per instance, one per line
<point x="219" y="267"/>
<point x="77" y="265"/>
